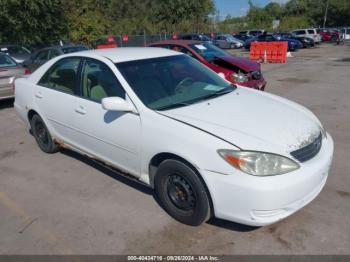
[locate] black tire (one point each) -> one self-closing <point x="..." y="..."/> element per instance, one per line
<point x="42" y="135"/>
<point x="182" y="193"/>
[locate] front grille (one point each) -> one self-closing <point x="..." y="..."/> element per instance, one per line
<point x="256" y="75"/>
<point x="307" y="152"/>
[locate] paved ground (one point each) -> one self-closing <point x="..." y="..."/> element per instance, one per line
<point x="66" y="204"/>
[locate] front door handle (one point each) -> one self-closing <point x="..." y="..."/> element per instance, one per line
<point x="39" y="95"/>
<point x="80" y="110"/>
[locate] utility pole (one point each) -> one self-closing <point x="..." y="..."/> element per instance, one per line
<point x="325" y="14"/>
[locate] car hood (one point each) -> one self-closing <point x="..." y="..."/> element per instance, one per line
<point x="242" y="62"/>
<point x="252" y="120"/>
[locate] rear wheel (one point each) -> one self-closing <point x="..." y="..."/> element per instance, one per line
<point x="182" y="193"/>
<point x="42" y="135"/>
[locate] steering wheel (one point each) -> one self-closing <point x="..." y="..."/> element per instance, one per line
<point x="182" y="85"/>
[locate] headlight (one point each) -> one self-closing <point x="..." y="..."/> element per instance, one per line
<point x="239" y="78"/>
<point x="258" y="163"/>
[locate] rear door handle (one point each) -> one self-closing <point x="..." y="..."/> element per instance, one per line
<point x="39" y="95"/>
<point x="80" y="110"/>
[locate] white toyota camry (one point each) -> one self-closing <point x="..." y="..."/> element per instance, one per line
<point x="207" y="147"/>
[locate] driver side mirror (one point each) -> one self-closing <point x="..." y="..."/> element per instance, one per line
<point x="117" y="104"/>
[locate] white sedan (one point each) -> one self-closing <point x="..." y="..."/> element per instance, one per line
<point x="207" y="147"/>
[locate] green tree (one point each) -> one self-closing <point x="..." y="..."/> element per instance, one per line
<point x="31" y="21"/>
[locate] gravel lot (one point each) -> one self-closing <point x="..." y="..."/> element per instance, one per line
<point x="67" y="204"/>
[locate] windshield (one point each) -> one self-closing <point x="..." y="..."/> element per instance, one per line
<point x="73" y="49"/>
<point x="208" y="51"/>
<point x="173" y="81"/>
<point x="6" y="61"/>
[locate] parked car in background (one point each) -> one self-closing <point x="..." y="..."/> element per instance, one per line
<point x="227" y="41"/>
<point x="9" y="70"/>
<point x="346" y="33"/>
<point x="252" y="33"/>
<point x="293" y="45"/>
<point x="309" y="32"/>
<point x="329" y="34"/>
<point x="206" y="146"/>
<point x="306" y="41"/>
<point x="243" y="38"/>
<point x="238" y="70"/>
<point x="41" y="56"/>
<point x="17" y="52"/>
<point x="195" y="37"/>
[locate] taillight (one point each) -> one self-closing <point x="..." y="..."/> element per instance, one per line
<point x="27" y="71"/>
<point x="13" y="85"/>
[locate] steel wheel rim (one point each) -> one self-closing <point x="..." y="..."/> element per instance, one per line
<point x="41" y="133"/>
<point x="180" y="192"/>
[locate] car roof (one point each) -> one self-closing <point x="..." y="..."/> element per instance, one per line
<point x="124" y="54"/>
<point x="177" y="42"/>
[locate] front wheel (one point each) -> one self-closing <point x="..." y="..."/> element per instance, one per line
<point x="182" y="193"/>
<point x="42" y="135"/>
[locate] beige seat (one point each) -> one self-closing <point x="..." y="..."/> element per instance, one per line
<point x="97" y="93"/>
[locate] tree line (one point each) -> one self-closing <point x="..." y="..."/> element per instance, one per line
<point x="43" y="21"/>
<point x="291" y="15"/>
<point x="35" y="22"/>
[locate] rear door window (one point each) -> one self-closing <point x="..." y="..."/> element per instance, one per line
<point x="311" y="31"/>
<point x="62" y="76"/>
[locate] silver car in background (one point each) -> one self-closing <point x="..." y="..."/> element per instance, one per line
<point x="227" y="41"/>
<point x="17" y="52"/>
<point x="9" y="70"/>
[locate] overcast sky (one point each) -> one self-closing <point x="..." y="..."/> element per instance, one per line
<point x="239" y="7"/>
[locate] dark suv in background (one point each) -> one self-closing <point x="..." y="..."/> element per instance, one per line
<point x="43" y="55"/>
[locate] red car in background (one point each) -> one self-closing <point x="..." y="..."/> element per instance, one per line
<point x="329" y="34"/>
<point x="238" y="70"/>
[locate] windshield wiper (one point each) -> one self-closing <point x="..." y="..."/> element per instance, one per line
<point x="221" y="92"/>
<point x="172" y="106"/>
